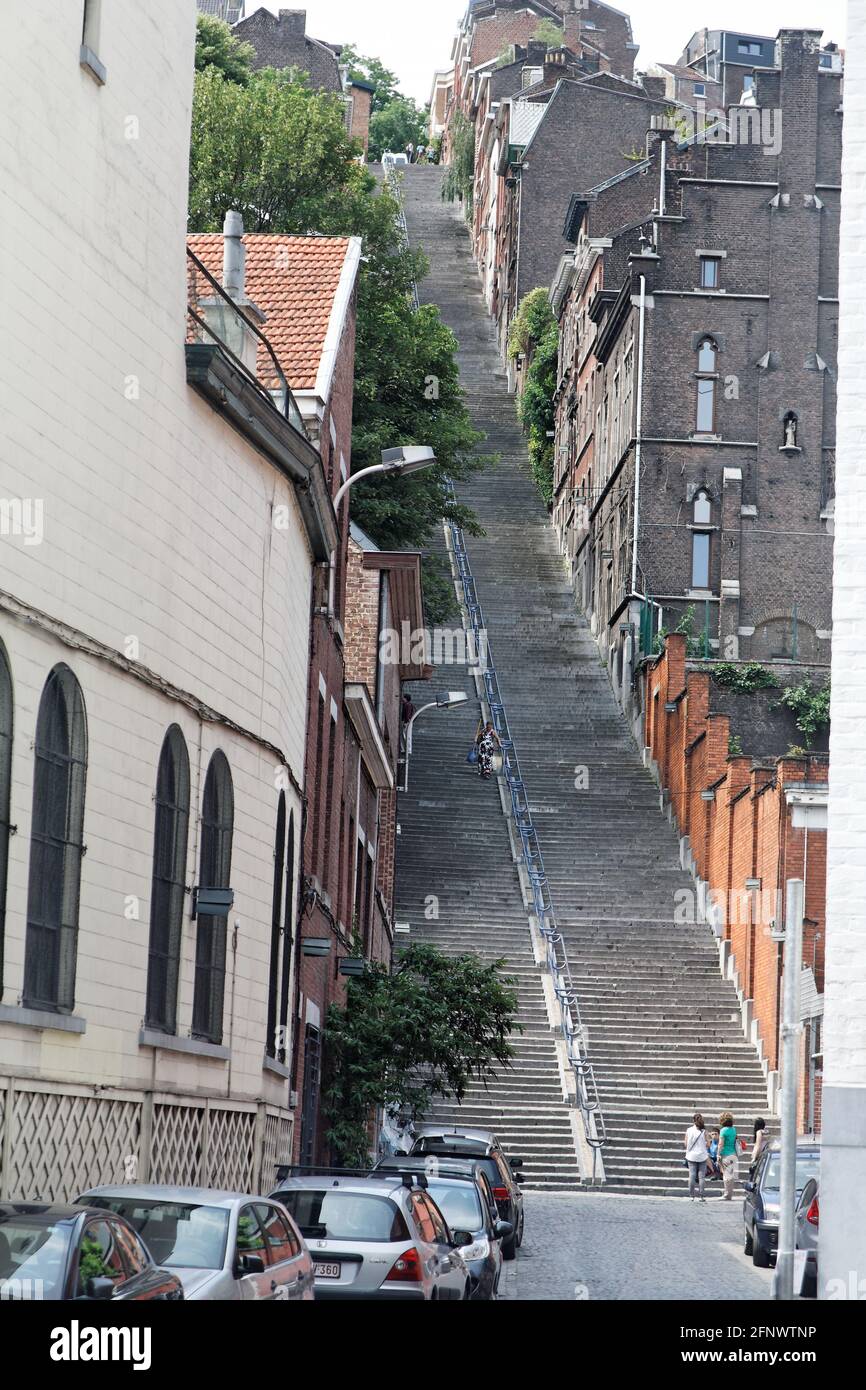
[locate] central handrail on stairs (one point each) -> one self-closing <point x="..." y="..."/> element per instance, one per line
<point x="573" y="1031"/>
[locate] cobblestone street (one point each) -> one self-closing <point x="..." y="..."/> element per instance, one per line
<point x="606" y="1247"/>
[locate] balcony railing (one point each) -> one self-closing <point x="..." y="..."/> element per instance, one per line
<point x="214" y="317"/>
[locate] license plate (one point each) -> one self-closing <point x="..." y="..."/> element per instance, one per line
<point x="327" y="1271"/>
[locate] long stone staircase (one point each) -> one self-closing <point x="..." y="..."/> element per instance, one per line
<point x="663" y="1027"/>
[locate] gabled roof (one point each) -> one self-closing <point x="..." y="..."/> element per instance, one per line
<point x="304" y="285"/>
<point x="526" y="116"/>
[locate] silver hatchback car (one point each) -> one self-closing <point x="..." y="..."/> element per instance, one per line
<point x="377" y="1237"/>
<point x="221" y="1245"/>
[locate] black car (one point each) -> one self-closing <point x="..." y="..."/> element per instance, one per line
<point x="52" y="1252"/>
<point x="761" y="1203"/>
<point x="485" y="1148"/>
<point x="463" y="1194"/>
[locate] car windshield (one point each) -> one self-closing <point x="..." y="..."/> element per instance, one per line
<point x="336" y="1215"/>
<point x="450" y="1144"/>
<point x="179" y="1235"/>
<point x="458" y="1203"/>
<point x="808" y="1166"/>
<point x="32" y="1257"/>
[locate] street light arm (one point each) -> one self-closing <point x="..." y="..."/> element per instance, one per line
<point x="354" y="478"/>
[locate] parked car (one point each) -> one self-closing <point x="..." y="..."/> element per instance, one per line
<point x="376" y="1237"/>
<point x="221" y="1245"/>
<point x="395" y="157"/>
<point x="761" y="1202"/>
<point x="806" y="1227"/>
<point x="463" y="1194"/>
<point x="57" y="1252"/>
<point x="482" y="1145"/>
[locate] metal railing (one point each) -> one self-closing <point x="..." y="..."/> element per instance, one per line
<point x="396" y="191"/>
<point x="573" y="1030"/>
<point x="213" y="315"/>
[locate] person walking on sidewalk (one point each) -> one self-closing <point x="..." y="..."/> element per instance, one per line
<point x="728" y="1153"/>
<point x="696" y="1156"/>
<point x="758" y="1145"/>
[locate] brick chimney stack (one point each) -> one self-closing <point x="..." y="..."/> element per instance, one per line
<point x="295" y="21"/>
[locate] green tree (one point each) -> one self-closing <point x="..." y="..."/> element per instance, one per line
<point x="279" y="153"/>
<point x="395" y="125"/>
<point x="459" y="181"/>
<point x="426" y="1029"/>
<point x="548" y="32"/>
<point x="217" y="47"/>
<point x="384" y="82"/>
<point x="534" y="332"/>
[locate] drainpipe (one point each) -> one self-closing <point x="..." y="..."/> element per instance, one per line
<point x="663" y="164"/>
<point x="638" y="428"/>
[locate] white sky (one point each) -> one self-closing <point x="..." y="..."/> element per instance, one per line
<point x="413" y="37"/>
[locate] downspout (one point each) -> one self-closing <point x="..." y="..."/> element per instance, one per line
<point x="638" y="429"/>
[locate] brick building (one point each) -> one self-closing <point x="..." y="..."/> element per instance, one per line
<point x="587" y="130"/>
<point x="728" y="59"/>
<point x="736" y="434"/>
<point x="281" y="41"/>
<point x="491" y="29"/>
<point x="747" y="823"/>
<point x="687" y="86"/>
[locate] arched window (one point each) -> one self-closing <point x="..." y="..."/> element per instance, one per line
<point x="215" y="865"/>
<point x="702" y="515"/>
<point x="272" y="1044"/>
<point x="707" y="381"/>
<point x="5" y="788"/>
<point x="288" y="939"/>
<point x="171" y="829"/>
<point x="56" y="844"/>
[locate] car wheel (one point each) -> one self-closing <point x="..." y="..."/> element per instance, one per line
<point x="748" y="1243"/>
<point x="760" y="1253"/>
<point x="520" y="1230"/>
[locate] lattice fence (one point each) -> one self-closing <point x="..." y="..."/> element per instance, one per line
<point x="56" y="1141"/>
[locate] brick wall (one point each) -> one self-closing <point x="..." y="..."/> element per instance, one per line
<point x="745" y="833"/>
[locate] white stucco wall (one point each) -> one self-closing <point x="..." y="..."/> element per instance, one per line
<point x="158" y="537"/>
<point x="843" y="1198"/>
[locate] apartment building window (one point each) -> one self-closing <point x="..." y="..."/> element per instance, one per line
<point x="748" y="48"/>
<point x="707" y="380"/>
<point x="217" y="825"/>
<point x="710" y="266"/>
<point x="6" y="713"/>
<point x="171" y="829"/>
<point x="56" y="845"/>
<point x="288" y="939"/>
<point x="702" y="513"/>
<point x="91" y="25"/>
<point x="700" y="89"/>
<point x="277" y="934"/>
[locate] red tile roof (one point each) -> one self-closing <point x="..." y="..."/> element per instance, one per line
<point x="293" y="280"/>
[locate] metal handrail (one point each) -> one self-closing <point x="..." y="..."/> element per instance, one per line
<point x="573" y="1029"/>
<point x="288" y="406"/>
<point x="402" y="226"/>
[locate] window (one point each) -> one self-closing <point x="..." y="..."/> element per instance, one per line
<point x="272" y="1041"/>
<point x="709" y="272"/>
<point x="6" y="709"/>
<point x="56" y="844"/>
<point x="705" y="408"/>
<point x="280" y="1240"/>
<point x="168" y="885"/>
<point x="748" y="48"/>
<point x="217" y="821"/>
<point x="702" y="512"/>
<point x="250" y="1239"/>
<point x="288" y="938"/>
<point x="748" y="85"/>
<point x="99" y="1256"/>
<point x="700" y="89"/>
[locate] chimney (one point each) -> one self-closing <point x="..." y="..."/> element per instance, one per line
<point x="295" y="22"/>
<point x="234" y="256"/>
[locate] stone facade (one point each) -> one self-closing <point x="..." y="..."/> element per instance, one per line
<point x="281" y="41"/>
<point x="162" y="591"/>
<point x="737" y="438"/>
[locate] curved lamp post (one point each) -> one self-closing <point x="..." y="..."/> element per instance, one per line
<point x="447" y="700"/>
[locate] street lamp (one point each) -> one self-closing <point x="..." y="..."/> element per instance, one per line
<point x="448" y="699"/>
<point x="408" y="458"/>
